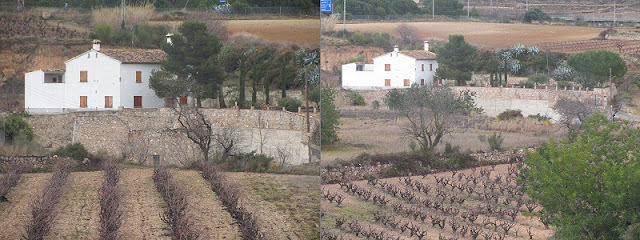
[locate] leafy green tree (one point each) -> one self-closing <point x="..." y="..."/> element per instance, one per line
<point x="587" y="187"/>
<point x="193" y="59"/>
<point x="393" y="99"/>
<point x="104" y="32"/>
<point x="14" y="126"/>
<point x="329" y="116"/>
<point x="261" y="64"/>
<point x="150" y="35"/>
<point x="286" y="66"/>
<point x="456" y="60"/>
<point x="596" y="64"/>
<point x="535" y="14"/>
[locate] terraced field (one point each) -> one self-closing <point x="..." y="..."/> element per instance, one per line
<point x="78" y="212"/>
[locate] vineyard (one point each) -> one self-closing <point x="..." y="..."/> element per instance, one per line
<point x="621" y="46"/>
<point x="31" y="26"/>
<point x="479" y="203"/>
<point x="149" y="204"/>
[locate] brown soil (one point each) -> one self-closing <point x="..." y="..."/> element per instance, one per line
<point x="487" y="35"/>
<point x="16" y="213"/>
<point x="207" y="212"/>
<point x="78" y="212"/>
<point x="288" y="205"/>
<point x="142" y="206"/>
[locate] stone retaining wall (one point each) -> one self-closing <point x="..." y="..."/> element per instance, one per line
<point x="138" y="134"/>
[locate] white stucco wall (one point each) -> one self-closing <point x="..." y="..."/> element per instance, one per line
<point x="402" y="67"/>
<point x="130" y="88"/>
<point x="352" y="79"/>
<point x="427" y="74"/>
<point x="103" y="79"/>
<point x="40" y="97"/>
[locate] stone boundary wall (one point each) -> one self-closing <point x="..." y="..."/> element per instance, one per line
<point x="36" y="162"/>
<point x="549" y="94"/>
<point x="138" y="134"/>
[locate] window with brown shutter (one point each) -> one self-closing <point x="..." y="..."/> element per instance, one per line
<point x="138" y="76"/>
<point x="423" y="67"/>
<point x="431" y="67"/>
<point x="108" y="101"/>
<point x="183" y="100"/>
<point x="387" y="82"/>
<point x="422" y="82"/>
<point x="83" y="76"/>
<point x="387" y="67"/>
<point x="137" y="101"/>
<point x="83" y="101"/>
<point x="406" y="82"/>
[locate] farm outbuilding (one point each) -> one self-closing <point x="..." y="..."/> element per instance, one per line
<point x="105" y="79"/>
<point x="397" y="69"/>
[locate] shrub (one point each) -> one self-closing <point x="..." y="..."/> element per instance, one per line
<point x="527" y="84"/>
<point x="249" y="162"/>
<point x="10" y="180"/>
<point x="539" y="117"/>
<point x="110" y="198"/>
<point x="14" y="125"/>
<point x="375" y="105"/>
<point x="393" y="99"/>
<point x="456" y="158"/>
<point x="510" y="114"/>
<point x="291" y="104"/>
<point x="564" y="84"/>
<point x="42" y="209"/>
<point x="356" y="98"/>
<point x="176" y="212"/>
<point x="76" y="151"/>
<point x="495" y="142"/>
<point x="538" y="78"/>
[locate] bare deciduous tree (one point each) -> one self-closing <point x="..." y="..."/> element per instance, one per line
<point x="227" y="140"/>
<point x="197" y="128"/>
<point x="408" y="33"/>
<point x="431" y="112"/>
<point x="283" y="154"/>
<point x="574" y="112"/>
<point x="136" y="147"/>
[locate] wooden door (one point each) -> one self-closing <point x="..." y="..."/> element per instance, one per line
<point x="108" y="101"/>
<point x="137" y="101"/>
<point x="387" y="82"/>
<point x="83" y="101"/>
<point x="183" y="100"/>
<point x="406" y="82"/>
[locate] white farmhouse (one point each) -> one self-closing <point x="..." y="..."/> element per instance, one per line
<point x="105" y="79"/>
<point x="397" y="69"/>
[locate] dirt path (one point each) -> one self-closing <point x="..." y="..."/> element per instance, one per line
<point x="78" y="212"/>
<point x="205" y="209"/>
<point x="16" y="213"/>
<point x="287" y="205"/>
<point x="142" y="206"/>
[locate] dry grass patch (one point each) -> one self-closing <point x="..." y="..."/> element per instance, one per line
<point x="134" y="16"/>
<point x="287" y="205"/>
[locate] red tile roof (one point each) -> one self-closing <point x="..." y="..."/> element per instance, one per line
<point x="420" y="54"/>
<point x="134" y="55"/>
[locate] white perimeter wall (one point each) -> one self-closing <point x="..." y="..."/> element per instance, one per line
<point x="103" y="75"/>
<point x="130" y="88"/>
<point x="40" y="96"/>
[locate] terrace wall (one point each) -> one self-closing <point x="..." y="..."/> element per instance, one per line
<point x="138" y="134"/>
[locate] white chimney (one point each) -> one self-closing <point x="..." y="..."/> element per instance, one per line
<point x="96" y="45"/>
<point x="426" y="45"/>
<point x="169" y="38"/>
<point x="396" y="49"/>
